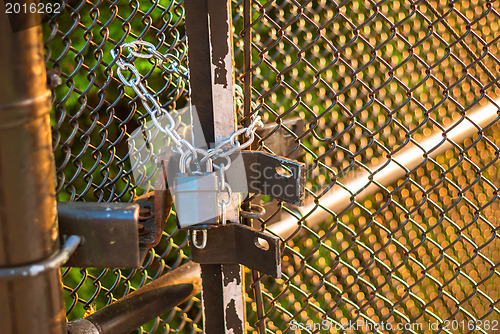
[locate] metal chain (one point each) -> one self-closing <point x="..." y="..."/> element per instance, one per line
<point x="189" y="154"/>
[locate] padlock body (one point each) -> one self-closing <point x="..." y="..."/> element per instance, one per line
<point x="196" y="199"/>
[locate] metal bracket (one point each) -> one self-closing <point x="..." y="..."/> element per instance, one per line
<point x="280" y="141"/>
<point x="270" y="175"/>
<point x="116" y="235"/>
<point x="238" y="243"/>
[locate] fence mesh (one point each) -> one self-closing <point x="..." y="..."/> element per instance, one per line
<point x="366" y="80"/>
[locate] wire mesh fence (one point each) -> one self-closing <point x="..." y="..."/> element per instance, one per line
<point x="369" y="81"/>
<point x="372" y="79"/>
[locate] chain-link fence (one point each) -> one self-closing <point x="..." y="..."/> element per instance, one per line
<point x="380" y="100"/>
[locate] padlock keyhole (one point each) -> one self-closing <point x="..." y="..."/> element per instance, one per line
<point x="261" y="243"/>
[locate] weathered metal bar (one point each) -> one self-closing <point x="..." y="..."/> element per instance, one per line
<point x="210" y="20"/>
<point x="142" y="305"/>
<point x="109" y="230"/>
<point x="28" y="216"/>
<point x="221" y="43"/>
<point x="389" y="171"/>
<point x="55" y="261"/>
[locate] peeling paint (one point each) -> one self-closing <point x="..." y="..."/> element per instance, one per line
<point x="233" y="318"/>
<point x="228" y="279"/>
<point x="233" y="301"/>
<point x="219" y="21"/>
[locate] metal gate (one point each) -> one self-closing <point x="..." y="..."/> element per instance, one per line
<point x="392" y="107"/>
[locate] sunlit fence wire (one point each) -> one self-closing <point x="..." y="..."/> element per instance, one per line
<point x="368" y="80"/>
<point x="371" y="79"/>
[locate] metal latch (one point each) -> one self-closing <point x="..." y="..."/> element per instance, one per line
<point x="117" y="235"/>
<point x="108" y="231"/>
<point x="270" y="175"/>
<point x="266" y="174"/>
<point x="237" y="243"/>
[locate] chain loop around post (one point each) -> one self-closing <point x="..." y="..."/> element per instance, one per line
<point x="198" y="156"/>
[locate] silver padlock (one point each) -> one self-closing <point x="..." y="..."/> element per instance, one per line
<point x="196" y="197"/>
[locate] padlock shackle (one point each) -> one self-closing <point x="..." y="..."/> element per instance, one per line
<point x="186" y="158"/>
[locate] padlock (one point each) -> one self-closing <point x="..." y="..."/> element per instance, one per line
<point x="196" y="197"/>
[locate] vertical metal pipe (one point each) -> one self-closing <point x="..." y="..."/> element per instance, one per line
<point x="28" y="225"/>
<point x="247" y="111"/>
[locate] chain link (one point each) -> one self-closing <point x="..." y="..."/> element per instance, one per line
<point x="146" y="50"/>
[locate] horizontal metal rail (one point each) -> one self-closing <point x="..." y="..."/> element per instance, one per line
<point x="370" y="180"/>
<point x="142" y="305"/>
<point x="53" y="262"/>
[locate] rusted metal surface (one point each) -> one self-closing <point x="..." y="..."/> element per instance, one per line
<point x="390" y="170"/>
<point x="144" y="304"/>
<point x="200" y="83"/>
<point x="28" y="221"/>
<point x="241" y="244"/>
<point x="155" y="206"/>
<point x="270" y="175"/>
<point x="109" y="231"/>
<point x="150" y="225"/>
<point x="222" y="76"/>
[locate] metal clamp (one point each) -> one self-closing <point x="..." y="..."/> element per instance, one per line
<point x="56" y="260"/>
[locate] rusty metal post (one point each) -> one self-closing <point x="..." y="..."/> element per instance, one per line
<point x="211" y="78"/>
<point x="28" y="222"/>
<point x="142" y="305"/>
